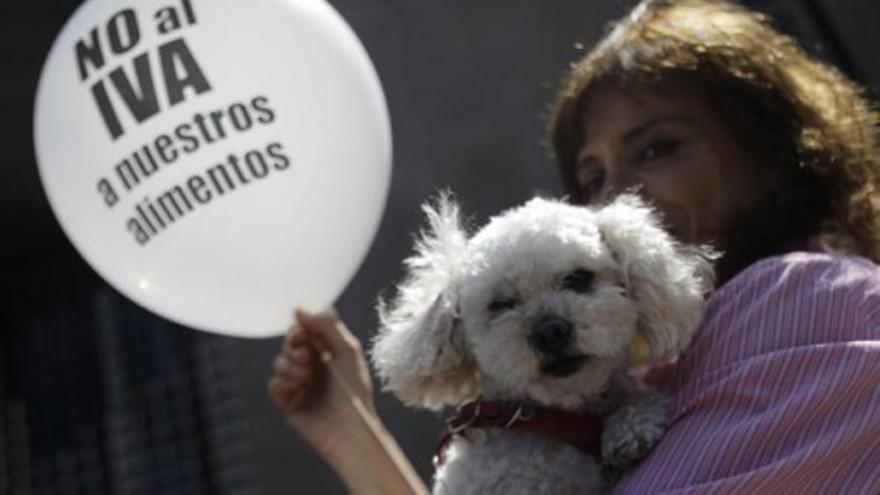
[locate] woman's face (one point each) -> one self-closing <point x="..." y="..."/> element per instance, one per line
<point x="680" y="155"/>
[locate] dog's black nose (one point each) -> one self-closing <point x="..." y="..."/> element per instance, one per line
<point x="551" y="334"/>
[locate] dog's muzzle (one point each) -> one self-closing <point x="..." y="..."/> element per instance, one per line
<point x="551" y="334"/>
<point x="552" y="337"/>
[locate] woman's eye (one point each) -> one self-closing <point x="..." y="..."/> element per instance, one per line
<point x="658" y="149"/>
<point x="499" y="305"/>
<point x="579" y="281"/>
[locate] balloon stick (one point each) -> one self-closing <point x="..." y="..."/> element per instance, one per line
<point x="372" y="423"/>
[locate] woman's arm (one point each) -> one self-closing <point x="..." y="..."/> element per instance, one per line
<point x="321" y="385"/>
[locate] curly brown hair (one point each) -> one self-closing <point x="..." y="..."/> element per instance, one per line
<point x="794" y="113"/>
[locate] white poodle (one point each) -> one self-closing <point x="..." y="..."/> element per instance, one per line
<point x="529" y="328"/>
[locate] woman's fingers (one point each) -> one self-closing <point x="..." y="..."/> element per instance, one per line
<point x="304" y="380"/>
<point x="293" y="371"/>
<point x="300" y="355"/>
<point x="293" y="366"/>
<point x="297" y="347"/>
<point x="289" y="394"/>
<point x="285" y="396"/>
<point x="280" y="392"/>
<point x="327" y="332"/>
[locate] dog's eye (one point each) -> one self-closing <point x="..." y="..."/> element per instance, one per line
<point x="578" y="281"/>
<point x="499" y="305"/>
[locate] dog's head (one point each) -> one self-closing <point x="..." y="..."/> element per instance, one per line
<point x="544" y="304"/>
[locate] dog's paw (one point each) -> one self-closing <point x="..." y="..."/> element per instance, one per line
<point x="630" y="434"/>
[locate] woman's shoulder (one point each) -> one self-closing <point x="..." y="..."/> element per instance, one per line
<point x="797" y="288"/>
<point x="796" y="300"/>
<point x="802" y="271"/>
<point x="806" y="270"/>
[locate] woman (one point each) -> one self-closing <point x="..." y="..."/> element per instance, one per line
<point x="740" y="140"/>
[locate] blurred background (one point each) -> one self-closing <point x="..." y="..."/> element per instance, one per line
<point x="99" y="396"/>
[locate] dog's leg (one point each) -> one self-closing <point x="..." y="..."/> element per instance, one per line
<point x="634" y="428"/>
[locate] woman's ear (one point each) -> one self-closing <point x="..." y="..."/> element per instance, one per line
<point x="420" y="352"/>
<point x="668" y="281"/>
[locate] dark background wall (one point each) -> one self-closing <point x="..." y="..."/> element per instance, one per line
<point x="98" y="396"/>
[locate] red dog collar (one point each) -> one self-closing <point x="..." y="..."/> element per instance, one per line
<point x="582" y="431"/>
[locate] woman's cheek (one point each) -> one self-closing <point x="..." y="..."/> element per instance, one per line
<point x="673" y="195"/>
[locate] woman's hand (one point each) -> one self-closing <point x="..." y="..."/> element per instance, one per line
<point x="316" y="404"/>
<point x="321" y="384"/>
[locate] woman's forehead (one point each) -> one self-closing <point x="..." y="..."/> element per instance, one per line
<point x="611" y="111"/>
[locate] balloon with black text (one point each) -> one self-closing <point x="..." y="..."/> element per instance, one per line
<point x="217" y="161"/>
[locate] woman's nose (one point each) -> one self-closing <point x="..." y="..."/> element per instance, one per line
<point x="617" y="180"/>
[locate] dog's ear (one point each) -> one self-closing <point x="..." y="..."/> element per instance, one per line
<point x="420" y="352"/>
<point x="667" y="280"/>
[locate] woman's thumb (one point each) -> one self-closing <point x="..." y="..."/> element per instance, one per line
<point x="326" y="332"/>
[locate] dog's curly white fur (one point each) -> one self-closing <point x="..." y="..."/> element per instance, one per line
<point x="542" y="305"/>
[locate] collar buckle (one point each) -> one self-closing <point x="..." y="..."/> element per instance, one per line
<point x="522" y="413"/>
<point x="454" y="428"/>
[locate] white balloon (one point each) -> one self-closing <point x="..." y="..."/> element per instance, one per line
<point x="217" y="161"/>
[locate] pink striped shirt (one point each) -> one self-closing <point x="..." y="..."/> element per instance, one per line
<point x="780" y="390"/>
